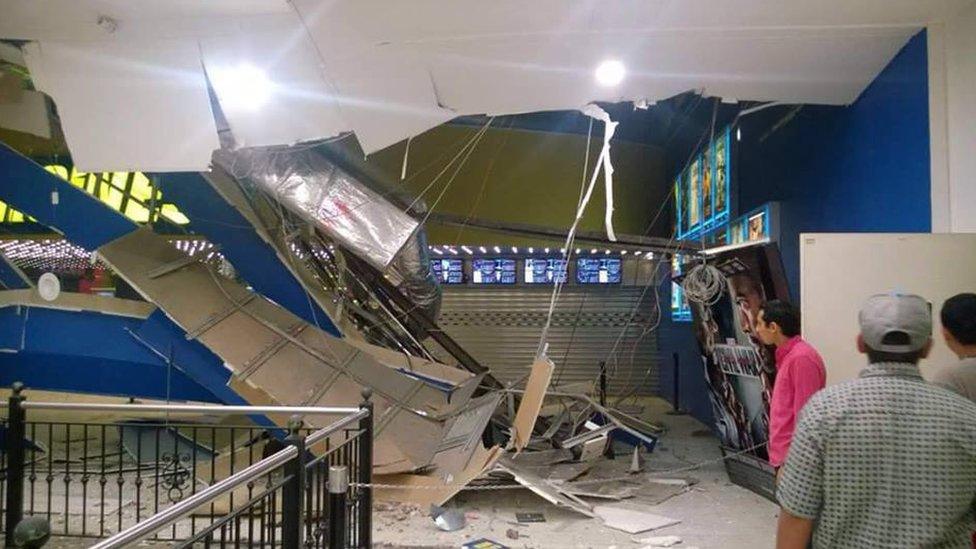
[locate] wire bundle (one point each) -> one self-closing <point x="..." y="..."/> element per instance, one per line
<point x="704" y="284"/>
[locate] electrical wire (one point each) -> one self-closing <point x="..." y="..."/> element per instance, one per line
<point x="704" y="284"/>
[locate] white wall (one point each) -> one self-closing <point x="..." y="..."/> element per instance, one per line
<point x="952" y="118"/>
<point x="840" y="271"/>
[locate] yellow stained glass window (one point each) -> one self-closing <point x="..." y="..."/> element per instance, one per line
<point x="111" y="191"/>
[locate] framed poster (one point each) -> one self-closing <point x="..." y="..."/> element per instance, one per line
<point x="721" y="174"/>
<point x="708" y="214"/>
<point x="694" y="196"/>
<point x="679" y="209"/>
<point x="757" y="226"/>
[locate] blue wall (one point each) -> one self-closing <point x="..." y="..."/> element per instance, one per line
<point x="679" y="338"/>
<point x="860" y="168"/>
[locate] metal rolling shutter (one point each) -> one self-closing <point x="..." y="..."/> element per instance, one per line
<point x="501" y="328"/>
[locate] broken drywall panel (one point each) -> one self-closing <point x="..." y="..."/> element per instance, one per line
<point x="271" y="349"/>
<point x="594" y="448"/>
<point x="70" y="301"/>
<point x="537" y="484"/>
<point x="463" y="434"/>
<point x="591" y="432"/>
<point x="528" y="410"/>
<point x="631" y="519"/>
<point x="431" y="489"/>
<point x="139" y="105"/>
<point x="613" y="490"/>
<point x="401" y="361"/>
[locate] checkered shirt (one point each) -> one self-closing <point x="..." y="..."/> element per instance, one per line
<point x="886" y="460"/>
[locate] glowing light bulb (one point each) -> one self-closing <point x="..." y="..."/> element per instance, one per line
<point x="610" y="73"/>
<point x="241" y="88"/>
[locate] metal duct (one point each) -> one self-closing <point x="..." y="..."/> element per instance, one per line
<point x="412" y="268"/>
<point x="317" y="190"/>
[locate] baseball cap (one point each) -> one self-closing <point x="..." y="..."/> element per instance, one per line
<point x="884" y="314"/>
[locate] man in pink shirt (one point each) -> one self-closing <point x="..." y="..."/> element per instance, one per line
<point x="800" y="373"/>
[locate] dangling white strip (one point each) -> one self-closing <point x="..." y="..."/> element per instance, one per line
<point x="610" y="127"/>
<point x="406" y="155"/>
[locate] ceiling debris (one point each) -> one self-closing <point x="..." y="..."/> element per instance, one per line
<point x="131" y="85"/>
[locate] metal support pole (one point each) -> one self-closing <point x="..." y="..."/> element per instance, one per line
<point x="603" y="383"/>
<point x="676" y="381"/>
<point x="16" y="432"/>
<point x="338" y="485"/>
<point x="292" y="490"/>
<point x="365" y="502"/>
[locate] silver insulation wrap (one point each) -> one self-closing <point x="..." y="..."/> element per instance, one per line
<point x="312" y="187"/>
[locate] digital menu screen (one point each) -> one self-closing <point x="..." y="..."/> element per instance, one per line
<point x="448" y="271"/>
<point x="545" y="271"/>
<point x="598" y="271"/>
<point x="493" y="271"/>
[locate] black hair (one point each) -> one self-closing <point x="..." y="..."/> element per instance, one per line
<point x="784" y="314"/>
<point x="959" y="317"/>
<point x="894" y="338"/>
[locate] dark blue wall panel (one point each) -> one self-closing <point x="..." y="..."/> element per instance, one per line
<point x="860" y="168"/>
<point x="86" y="352"/>
<point x="28" y="187"/>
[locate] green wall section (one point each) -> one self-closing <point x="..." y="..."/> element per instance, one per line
<point x="519" y="176"/>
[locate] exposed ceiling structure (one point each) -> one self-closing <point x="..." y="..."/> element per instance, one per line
<point x="130" y="79"/>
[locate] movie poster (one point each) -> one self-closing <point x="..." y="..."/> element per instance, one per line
<point x="757" y="227"/>
<point x="721" y="178"/>
<point x="706" y="178"/>
<point x="694" y="194"/>
<point x="678" y="207"/>
<point x="739" y="369"/>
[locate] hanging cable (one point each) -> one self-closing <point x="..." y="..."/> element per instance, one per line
<point x="704" y="284"/>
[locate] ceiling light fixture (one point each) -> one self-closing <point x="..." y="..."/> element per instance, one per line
<point x="241" y="88"/>
<point x="610" y="73"/>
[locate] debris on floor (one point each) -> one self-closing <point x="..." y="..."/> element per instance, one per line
<point x="447" y="520"/>
<point x="632" y="520"/>
<point x="527" y="518"/>
<point x="660" y="541"/>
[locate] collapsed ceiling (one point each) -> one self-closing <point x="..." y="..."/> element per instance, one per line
<point x="130" y="80"/>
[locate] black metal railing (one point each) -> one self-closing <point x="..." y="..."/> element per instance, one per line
<point x="101" y="478"/>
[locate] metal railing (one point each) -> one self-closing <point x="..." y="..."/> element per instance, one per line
<point x="190" y="483"/>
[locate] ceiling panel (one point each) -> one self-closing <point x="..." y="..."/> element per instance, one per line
<point x="128" y="107"/>
<point x="301" y="103"/>
<point x="387" y="70"/>
<point x="140" y="19"/>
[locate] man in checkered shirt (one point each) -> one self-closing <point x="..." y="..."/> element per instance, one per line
<point x="886" y="460"/>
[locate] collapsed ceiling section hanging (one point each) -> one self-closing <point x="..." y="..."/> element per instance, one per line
<point x="131" y="85"/>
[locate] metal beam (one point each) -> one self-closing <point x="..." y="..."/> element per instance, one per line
<point x="647" y="243"/>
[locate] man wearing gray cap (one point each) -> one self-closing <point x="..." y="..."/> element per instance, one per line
<point x="886" y="460"/>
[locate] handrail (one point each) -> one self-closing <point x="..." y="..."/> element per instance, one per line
<point x="166" y="517"/>
<point x="321" y="434"/>
<point x="153" y="524"/>
<point x="188" y="408"/>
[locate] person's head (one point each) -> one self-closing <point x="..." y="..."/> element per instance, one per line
<point x="778" y="321"/>
<point x="749" y="296"/>
<point x="959" y="324"/>
<point x="895" y="328"/>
